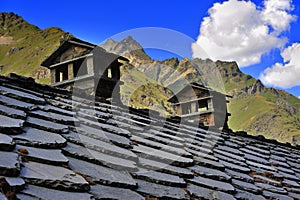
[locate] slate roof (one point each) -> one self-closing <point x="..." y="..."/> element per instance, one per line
<point x="53" y="147"/>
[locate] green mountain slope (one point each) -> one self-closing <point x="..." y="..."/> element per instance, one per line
<point x="149" y="83"/>
<point x="24" y="46"/>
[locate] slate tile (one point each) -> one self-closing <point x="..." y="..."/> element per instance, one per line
<point x="294" y="195"/>
<point x="289" y="176"/>
<point x="39" y="138"/>
<point x="103" y="175"/>
<point x="271" y="188"/>
<point x="107" y="192"/>
<point x="199" y="148"/>
<point x="223" y="195"/>
<point x="212" y="184"/>
<point x="163" y="147"/>
<point x="200" y="192"/>
<point x="47" y="156"/>
<point x="161" y="191"/>
<point x="54" y="117"/>
<point x="106" y="127"/>
<point x="156" y="138"/>
<point x="13" y="103"/>
<point x="208" y="194"/>
<point x="259" y="178"/>
<point x="171" y="135"/>
<point x="243" y="195"/>
<point x="23" y="96"/>
<point x="278" y="158"/>
<point x="230" y="150"/>
<point x="201" y="143"/>
<point x="53" y="177"/>
<point x="12" y="112"/>
<point x="159" y="177"/>
<point x="261" y="166"/>
<point x="6" y="143"/>
<point x="107" y="148"/>
<point x="235" y="167"/>
<point x="271" y="195"/>
<point x="73" y="137"/>
<point x="47" y="125"/>
<point x="240" y="176"/>
<point x="96" y="157"/>
<point x="258" y="149"/>
<point x="201" y="154"/>
<point x="279" y="163"/>
<point x="256" y="159"/>
<point x="210" y="173"/>
<point x="209" y="163"/>
<point x="163" y="156"/>
<point x="165" y="167"/>
<point x="230" y="160"/>
<point x="285" y="170"/>
<point x="9" y="164"/>
<point x="54" y="109"/>
<point x="16" y="183"/>
<point x="249" y="187"/>
<point x="290" y="183"/>
<point x="255" y="153"/>
<point x="32" y="192"/>
<point x="103" y="135"/>
<point x="10" y="125"/>
<point x="230" y="155"/>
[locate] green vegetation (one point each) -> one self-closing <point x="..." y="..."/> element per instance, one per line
<point x="25" y="46"/>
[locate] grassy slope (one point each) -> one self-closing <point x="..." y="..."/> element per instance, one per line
<point x="33" y="46"/>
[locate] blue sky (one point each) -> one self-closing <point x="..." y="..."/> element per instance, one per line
<point x="262" y="35"/>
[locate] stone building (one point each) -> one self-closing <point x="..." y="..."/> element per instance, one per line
<point x="196" y="103"/>
<point x="87" y="67"/>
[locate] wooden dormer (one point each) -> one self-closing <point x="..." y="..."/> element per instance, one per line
<point x="86" y="65"/>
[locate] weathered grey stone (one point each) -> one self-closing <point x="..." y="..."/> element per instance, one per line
<point x="230" y="160"/>
<point x="15" y="182"/>
<point x="255" y="153"/>
<point x="156" y="145"/>
<point x="290" y="183"/>
<point x="108" y="192"/>
<point x="10" y="125"/>
<point x="256" y="159"/>
<point x="35" y="192"/>
<point x="271" y="188"/>
<point x="240" y="176"/>
<point x="200" y="192"/>
<point x="230" y="155"/>
<point x="23" y="96"/>
<point x="103" y="175"/>
<point x="246" y="186"/>
<point x="210" y="173"/>
<point x="54" y="109"/>
<point x="294" y="195"/>
<point x="11" y="112"/>
<point x="107" y="148"/>
<point x="161" y="191"/>
<point x="47" y="156"/>
<point x="53" y="177"/>
<point x="243" y="195"/>
<point x="222" y="195"/>
<point x="212" y="184"/>
<point x="201" y="154"/>
<point x="84" y="153"/>
<point x="16" y="103"/>
<point x="9" y="164"/>
<point x="40" y="138"/>
<point x="6" y="143"/>
<point x="165" y="167"/>
<point x="209" y="163"/>
<point x="271" y="195"/>
<point x="47" y="125"/>
<point x="266" y="180"/>
<point x="54" y="117"/>
<point x="160" y="178"/>
<point x="103" y="135"/>
<point x="163" y="156"/>
<point x="235" y="167"/>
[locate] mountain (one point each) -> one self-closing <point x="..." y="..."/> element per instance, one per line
<point x="255" y="108"/>
<point x="24" y="46"/>
<point x="149" y="83"/>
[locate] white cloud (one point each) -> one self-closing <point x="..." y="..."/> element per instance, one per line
<point x="284" y="75"/>
<point x="240" y="31"/>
